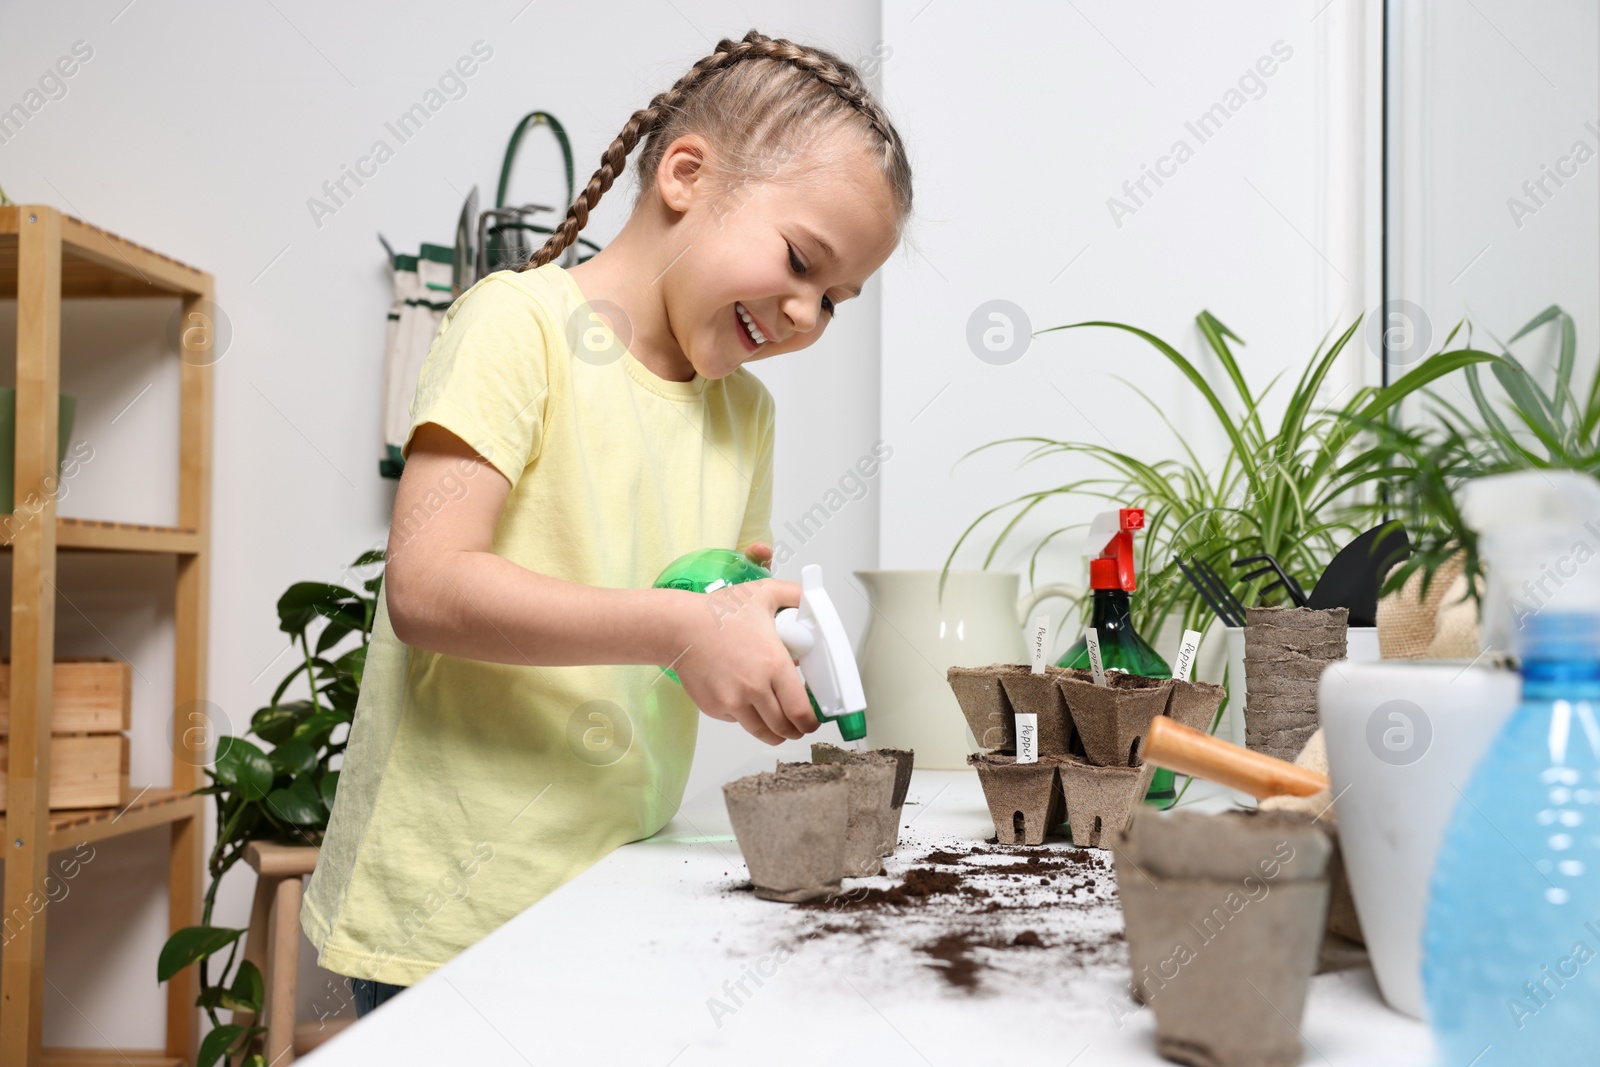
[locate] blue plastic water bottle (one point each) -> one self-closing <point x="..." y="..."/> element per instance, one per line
<point x="1511" y="948"/>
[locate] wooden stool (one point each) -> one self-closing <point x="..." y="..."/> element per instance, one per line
<point x="273" y="945"/>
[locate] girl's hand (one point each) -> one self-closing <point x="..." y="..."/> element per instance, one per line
<point x="760" y="552"/>
<point x="736" y="669"/>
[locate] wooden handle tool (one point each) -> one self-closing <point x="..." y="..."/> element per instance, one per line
<point x="1188" y="751"/>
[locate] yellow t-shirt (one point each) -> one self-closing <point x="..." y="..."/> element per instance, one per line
<point x="471" y="789"/>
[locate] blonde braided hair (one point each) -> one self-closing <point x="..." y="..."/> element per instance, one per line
<point x="754" y="100"/>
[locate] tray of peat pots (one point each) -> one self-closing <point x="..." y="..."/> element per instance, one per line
<point x="871" y="824"/>
<point x="1090" y="737"/>
<point x="984" y="703"/>
<point x="1025" y="799"/>
<point x="902" y="759"/>
<point x="1224" y="915"/>
<point x="791" y="827"/>
<point x="1105" y="778"/>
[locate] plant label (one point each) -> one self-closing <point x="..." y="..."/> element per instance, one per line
<point x="1091" y="637"/>
<point x="1027" y="737"/>
<point x="1186" y="650"/>
<point x="1041" y="641"/>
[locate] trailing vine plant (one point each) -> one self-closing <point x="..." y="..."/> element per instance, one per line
<point x="278" y="786"/>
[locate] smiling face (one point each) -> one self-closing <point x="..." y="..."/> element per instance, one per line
<point x="780" y="254"/>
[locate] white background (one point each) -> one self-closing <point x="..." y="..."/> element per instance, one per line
<point x="201" y="130"/>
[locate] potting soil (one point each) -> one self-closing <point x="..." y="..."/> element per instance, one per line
<point x="985" y="918"/>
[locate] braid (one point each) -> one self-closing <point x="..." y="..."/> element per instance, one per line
<point x="837" y="75"/>
<point x="842" y="80"/>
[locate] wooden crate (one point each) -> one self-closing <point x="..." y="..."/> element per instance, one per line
<point x="92" y="696"/>
<point x="85" y="771"/>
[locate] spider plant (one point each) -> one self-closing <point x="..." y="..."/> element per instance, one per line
<point x="1274" y="493"/>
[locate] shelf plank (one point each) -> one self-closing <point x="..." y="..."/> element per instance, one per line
<point x="95" y="535"/>
<point x="108" y="1057"/>
<point x="96" y="262"/>
<point x="151" y="807"/>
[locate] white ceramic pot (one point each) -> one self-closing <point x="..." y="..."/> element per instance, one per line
<point x="913" y="636"/>
<point x="1403" y="737"/>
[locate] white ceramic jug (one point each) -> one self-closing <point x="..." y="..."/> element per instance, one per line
<point x="913" y="637"/>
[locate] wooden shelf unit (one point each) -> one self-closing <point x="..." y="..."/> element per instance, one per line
<point x="46" y="256"/>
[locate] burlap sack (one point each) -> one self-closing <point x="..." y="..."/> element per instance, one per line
<point x="1442" y="625"/>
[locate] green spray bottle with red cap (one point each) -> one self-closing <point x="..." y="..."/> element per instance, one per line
<point x="1112" y="579"/>
<point x="813" y="633"/>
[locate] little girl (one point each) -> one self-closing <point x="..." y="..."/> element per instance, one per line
<point x="573" y="432"/>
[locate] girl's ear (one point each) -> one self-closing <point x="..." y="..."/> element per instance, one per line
<point x="683" y="174"/>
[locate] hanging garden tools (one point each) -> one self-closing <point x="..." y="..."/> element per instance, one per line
<point x="422" y="295"/>
<point x="464" y="262"/>
<point x="1270" y="565"/>
<point x="503" y="237"/>
<point x="428" y="283"/>
<point x="512" y="247"/>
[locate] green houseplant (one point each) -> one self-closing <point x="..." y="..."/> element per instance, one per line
<point x="1279" y="490"/>
<point x="281" y="788"/>
<point x="1524" y="426"/>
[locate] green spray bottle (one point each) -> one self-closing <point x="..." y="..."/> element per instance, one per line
<point x="813" y="632"/>
<point x="1112" y="578"/>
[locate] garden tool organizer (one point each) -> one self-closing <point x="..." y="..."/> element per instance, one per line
<point x="501" y="237"/>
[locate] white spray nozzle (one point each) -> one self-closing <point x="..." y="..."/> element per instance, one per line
<point x="1105" y="526"/>
<point x="1539" y="535"/>
<point x="816" y="639"/>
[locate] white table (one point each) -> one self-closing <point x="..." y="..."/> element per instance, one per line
<point x="626" y="964"/>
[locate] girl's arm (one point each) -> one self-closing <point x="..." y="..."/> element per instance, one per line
<point x="448" y="593"/>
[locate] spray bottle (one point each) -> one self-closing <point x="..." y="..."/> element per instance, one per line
<point x="813" y="633"/>
<point x="1112" y="578"/>
<point x="1514" y="905"/>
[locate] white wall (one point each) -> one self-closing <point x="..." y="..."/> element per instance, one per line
<point x="1489" y="97"/>
<point x="1026" y="122"/>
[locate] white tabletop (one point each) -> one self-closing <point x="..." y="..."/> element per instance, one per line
<point x="637" y="961"/>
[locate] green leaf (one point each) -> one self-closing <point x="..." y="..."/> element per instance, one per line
<point x="338" y="630"/>
<point x="351" y="662"/>
<point x="216" y="1044"/>
<point x="1531" y="405"/>
<point x="1196" y="379"/>
<point x="248" y="990"/>
<point x="369" y="557"/>
<point x="297" y="803"/>
<point x="275" y="723"/>
<point x="1217" y="335"/>
<point x="305" y="601"/>
<point x="315" y="730"/>
<point x="341" y="698"/>
<point x="243" y="766"/>
<point x="190" y="944"/>
<point x="1486" y="409"/>
<point x="294" y="757"/>
<point x="1429" y="370"/>
<point x="299" y="669"/>
<point x="327" y="787"/>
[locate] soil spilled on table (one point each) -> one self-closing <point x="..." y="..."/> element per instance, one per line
<point x="967" y="909"/>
